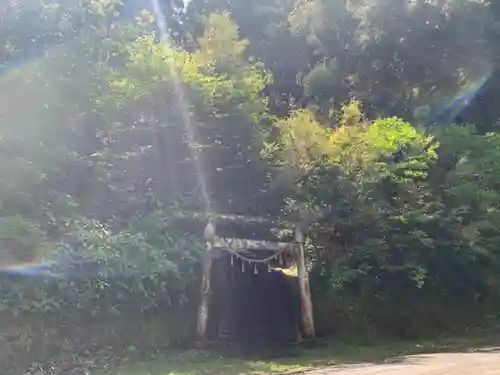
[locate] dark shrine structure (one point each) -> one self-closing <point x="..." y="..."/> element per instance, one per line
<point x="255" y="285"/>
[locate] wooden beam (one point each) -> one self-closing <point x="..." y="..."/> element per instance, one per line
<point x="242" y="244"/>
<point x="306" y="307"/>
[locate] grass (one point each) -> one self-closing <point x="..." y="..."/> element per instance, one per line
<point x="301" y="359"/>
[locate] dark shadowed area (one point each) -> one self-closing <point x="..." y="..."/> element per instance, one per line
<point x="254" y="305"/>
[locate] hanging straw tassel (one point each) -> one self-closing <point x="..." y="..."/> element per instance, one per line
<point x="255" y="270"/>
<point x="242" y="265"/>
<point x="232" y="259"/>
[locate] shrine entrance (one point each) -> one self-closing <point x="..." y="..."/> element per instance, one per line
<point x="253" y="301"/>
<point x="246" y="296"/>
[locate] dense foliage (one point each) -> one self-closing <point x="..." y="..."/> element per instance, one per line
<point x="110" y="123"/>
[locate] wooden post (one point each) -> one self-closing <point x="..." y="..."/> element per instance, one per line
<point x="223" y="327"/>
<point x="202" y="323"/>
<point x="306" y="307"/>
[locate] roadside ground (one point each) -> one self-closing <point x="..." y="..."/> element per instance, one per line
<point x="446" y="356"/>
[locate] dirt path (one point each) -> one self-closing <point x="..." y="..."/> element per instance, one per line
<point x="481" y="362"/>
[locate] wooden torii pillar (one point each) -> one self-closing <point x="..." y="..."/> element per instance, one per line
<point x="213" y="242"/>
<point x="306" y="307"/>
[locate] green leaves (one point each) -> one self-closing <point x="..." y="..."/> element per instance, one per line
<point x="407" y="210"/>
<point x="100" y="271"/>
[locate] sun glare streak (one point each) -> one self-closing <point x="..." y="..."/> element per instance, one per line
<point x="182" y="104"/>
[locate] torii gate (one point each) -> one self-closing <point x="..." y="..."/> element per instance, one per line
<point x="296" y="247"/>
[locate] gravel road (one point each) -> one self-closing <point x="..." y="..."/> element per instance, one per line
<point x="479" y="362"/>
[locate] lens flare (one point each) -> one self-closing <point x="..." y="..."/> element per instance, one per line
<point x="31" y="269"/>
<point x="445" y="112"/>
